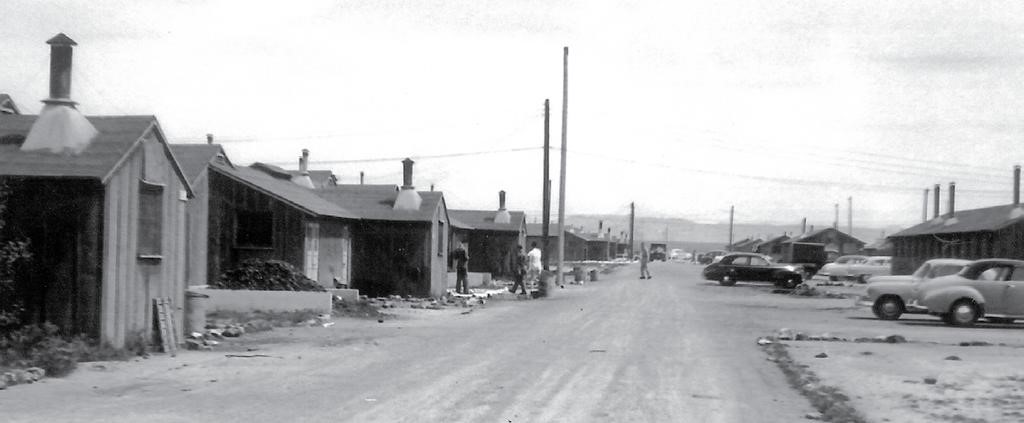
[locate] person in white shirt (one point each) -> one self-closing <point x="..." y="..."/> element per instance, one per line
<point x="534" y="261"/>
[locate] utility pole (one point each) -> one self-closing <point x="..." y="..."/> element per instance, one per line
<point x="561" y="184"/>
<point x="547" y="187"/>
<point x="632" y="217"/>
<point x="731" y="210"/>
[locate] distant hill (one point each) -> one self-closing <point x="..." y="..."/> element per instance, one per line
<point x="690" y="235"/>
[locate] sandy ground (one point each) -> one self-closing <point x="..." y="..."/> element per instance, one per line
<point x="618" y="350"/>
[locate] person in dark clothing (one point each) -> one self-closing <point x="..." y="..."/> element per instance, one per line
<point x="519" y="268"/>
<point x="460" y="258"/>
<point x="645" y="256"/>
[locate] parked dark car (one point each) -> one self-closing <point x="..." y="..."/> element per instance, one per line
<point x="734" y="267"/>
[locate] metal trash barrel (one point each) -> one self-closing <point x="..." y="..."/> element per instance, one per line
<point x="195" y="311"/>
<point x="593" y="275"/>
<point x="543" y="282"/>
<point x="577" y="272"/>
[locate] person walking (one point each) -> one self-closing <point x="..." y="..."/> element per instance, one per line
<point x="461" y="260"/>
<point x="519" y="267"/>
<point x="535" y="263"/>
<point x="645" y="256"/>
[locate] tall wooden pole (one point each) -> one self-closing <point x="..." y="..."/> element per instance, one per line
<point x="849" y="216"/>
<point x="729" y="247"/>
<point x="547" y="186"/>
<point x="632" y="219"/>
<point x="561" y="183"/>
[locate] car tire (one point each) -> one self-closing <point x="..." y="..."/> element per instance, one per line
<point x="963" y="313"/>
<point x="888" y="307"/>
<point x="833" y="278"/>
<point x="727" y="280"/>
<point x="790" y="281"/>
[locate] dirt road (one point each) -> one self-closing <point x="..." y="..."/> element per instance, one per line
<point x="670" y="349"/>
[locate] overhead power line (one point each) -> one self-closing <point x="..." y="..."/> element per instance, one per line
<point x="415" y="157"/>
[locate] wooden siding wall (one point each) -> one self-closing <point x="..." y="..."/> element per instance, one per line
<point x="335" y="253"/>
<point x="911" y="252"/>
<point x="388" y="258"/>
<point x="493" y="252"/>
<point x="227" y="197"/>
<point x="598" y="250"/>
<point x="198" y="210"/>
<point x="130" y="282"/>
<point x="438" y="252"/>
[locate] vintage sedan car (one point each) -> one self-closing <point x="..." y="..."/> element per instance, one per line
<point x="840" y="269"/>
<point x="872" y="267"/>
<point x="734" y="267"/>
<point x="710" y="256"/>
<point x="891" y="296"/>
<point x="989" y="288"/>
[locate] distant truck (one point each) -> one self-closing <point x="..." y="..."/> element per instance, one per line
<point x="658" y="251"/>
<point x="811" y="256"/>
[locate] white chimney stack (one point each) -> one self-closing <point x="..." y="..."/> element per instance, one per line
<point x="503" y="215"/>
<point x="408" y="198"/>
<point x="60" y="127"/>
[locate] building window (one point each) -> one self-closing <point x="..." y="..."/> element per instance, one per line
<point x="151" y="219"/>
<point x="254" y="229"/>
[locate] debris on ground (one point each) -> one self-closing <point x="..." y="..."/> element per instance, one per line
<point x="975" y="344"/>
<point x="805" y="290"/>
<point x="821" y="355"/>
<point x="953" y="358"/>
<point x="930" y="381"/>
<point x="832" y="404"/>
<point x="21" y="376"/>
<point x="787" y="334"/>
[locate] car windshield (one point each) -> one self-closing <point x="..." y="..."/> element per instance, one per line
<point x="922" y="272"/>
<point x="945" y="270"/>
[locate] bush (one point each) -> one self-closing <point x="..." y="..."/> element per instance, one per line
<point x="266" y="275"/>
<point x="41" y="346"/>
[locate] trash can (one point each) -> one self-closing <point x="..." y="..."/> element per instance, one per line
<point x="543" y="282"/>
<point x="593" y="275"/>
<point x="577" y="274"/>
<point x="195" y="311"/>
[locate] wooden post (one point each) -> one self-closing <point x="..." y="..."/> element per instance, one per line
<point x="561" y="185"/>
<point x="729" y="246"/>
<point x="546" y="202"/>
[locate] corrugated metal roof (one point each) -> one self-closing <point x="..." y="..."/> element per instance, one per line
<point x="815" y="233"/>
<point x="984" y="219"/>
<point x="285" y="190"/>
<point x="194" y="158"/>
<point x="117" y="135"/>
<point x="320" y="178"/>
<point x="484" y="220"/>
<point x="534" y="229"/>
<point x="377" y="202"/>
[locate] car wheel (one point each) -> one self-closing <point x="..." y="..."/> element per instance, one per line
<point x="727" y="280"/>
<point x="888" y="308"/>
<point x="833" y="278"/>
<point x="963" y="313"/>
<point x="790" y="282"/>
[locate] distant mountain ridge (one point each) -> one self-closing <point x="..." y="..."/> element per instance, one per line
<point x="683" y="231"/>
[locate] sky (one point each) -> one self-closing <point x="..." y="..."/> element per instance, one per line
<point x="781" y="109"/>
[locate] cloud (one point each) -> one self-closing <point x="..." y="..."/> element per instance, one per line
<point x="951" y="61"/>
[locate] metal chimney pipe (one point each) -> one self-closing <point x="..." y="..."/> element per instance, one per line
<point x="361" y="176"/>
<point x="935" y="212"/>
<point x="600" y="225"/>
<point x="209" y="138"/>
<point x="924" y="210"/>
<point x="60" y="69"/>
<point x="952" y="198"/>
<point x="431" y="187"/>
<point x="407" y="173"/>
<point x="835" y="223"/>
<point x="501" y="200"/>
<point x="304" y="161"/>
<point x="1016" y="185"/>
<point x="803" y="226"/>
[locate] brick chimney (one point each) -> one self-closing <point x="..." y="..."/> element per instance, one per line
<point x="408" y="198"/>
<point x="503" y="216"/>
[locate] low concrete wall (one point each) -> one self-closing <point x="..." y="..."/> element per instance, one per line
<point x="345" y="294"/>
<point x="474" y="279"/>
<point x="247" y="301"/>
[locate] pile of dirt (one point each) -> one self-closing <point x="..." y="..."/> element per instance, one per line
<point x="266" y="275"/>
<point x="805" y="290"/>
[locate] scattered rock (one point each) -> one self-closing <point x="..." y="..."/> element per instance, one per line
<point x="866" y="353"/>
<point x="800" y="336"/>
<point x="813" y="416"/>
<point x="975" y="344"/>
<point x="233" y="331"/>
<point x="930" y="381"/>
<point x="821" y="355"/>
<point x="784" y="334"/>
<point x="895" y="339"/>
<point x="764" y="341"/>
<point x="380" y="320"/>
<point x="953" y="358"/>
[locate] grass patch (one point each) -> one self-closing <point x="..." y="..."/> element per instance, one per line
<point x="260" y="321"/>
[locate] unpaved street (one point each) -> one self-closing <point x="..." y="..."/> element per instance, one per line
<point x="671" y="349"/>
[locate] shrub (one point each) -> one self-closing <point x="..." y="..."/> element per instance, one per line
<point x="41" y="346"/>
<point x="266" y="275"/>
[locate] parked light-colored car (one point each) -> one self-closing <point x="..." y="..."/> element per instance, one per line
<point x="891" y="296"/>
<point x="839" y="269"/>
<point x="990" y="288"/>
<point x="873" y="266"/>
